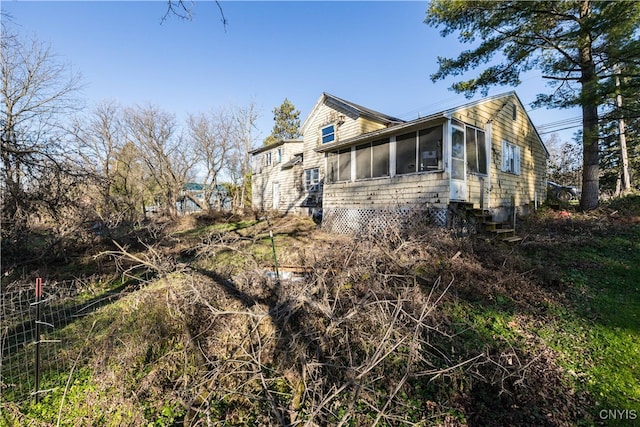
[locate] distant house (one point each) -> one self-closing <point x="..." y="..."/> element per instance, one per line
<point x="192" y="198"/>
<point x="361" y="166"/>
<point x="277" y="179"/>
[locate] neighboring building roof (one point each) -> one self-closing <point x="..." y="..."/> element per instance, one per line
<point x="275" y="144"/>
<point x="195" y="186"/>
<point x="352" y="107"/>
<point x="297" y="158"/>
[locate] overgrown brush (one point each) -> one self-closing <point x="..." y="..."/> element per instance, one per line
<point x="377" y="332"/>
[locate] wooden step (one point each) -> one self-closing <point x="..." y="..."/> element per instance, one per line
<point x="491" y="225"/>
<point x="512" y="239"/>
<point x="504" y="231"/>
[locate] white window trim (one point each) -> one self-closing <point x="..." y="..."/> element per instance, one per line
<point x="486" y="148"/>
<point x="308" y="184"/>
<point x="333" y="134"/>
<point x="510" y="150"/>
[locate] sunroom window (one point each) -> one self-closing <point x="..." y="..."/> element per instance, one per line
<point x="372" y="159"/>
<point x="339" y="166"/>
<point x="419" y="151"/>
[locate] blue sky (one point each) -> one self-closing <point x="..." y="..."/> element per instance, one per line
<point x="377" y="54"/>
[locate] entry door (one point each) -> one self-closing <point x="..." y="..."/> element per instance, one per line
<point x="458" y="184"/>
<point x="276" y="195"/>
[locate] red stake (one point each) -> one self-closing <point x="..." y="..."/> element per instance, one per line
<point x="38" y="287"/>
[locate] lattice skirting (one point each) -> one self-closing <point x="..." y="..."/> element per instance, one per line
<point x="373" y="221"/>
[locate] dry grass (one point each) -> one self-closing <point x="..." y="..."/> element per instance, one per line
<point x="375" y="333"/>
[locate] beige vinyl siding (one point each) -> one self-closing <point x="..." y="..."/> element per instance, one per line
<point x="531" y="182"/>
<point x="418" y="190"/>
<point x="290" y="180"/>
<point x="367" y="126"/>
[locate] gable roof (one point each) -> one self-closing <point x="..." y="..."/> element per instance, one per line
<point x="445" y="114"/>
<point x="352" y="107"/>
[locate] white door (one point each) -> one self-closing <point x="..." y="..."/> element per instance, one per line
<point x="458" y="182"/>
<point x="276" y="195"/>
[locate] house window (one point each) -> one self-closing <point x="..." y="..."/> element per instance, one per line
<point x="328" y="134"/>
<point x="419" y="151"/>
<point x="339" y="166"/>
<point x="311" y="178"/>
<point x="278" y="156"/>
<point x="430" y="149"/>
<point x="510" y="158"/>
<point x="406" y="153"/>
<point x="267" y="158"/>
<point x="363" y="161"/>
<point x="380" y="158"/>
<point x="476" y="150"/>
<point x="257" y="167"/>
<point x="372" y="159"/>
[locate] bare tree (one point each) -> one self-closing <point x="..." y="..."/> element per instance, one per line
<point x="101" y="139"/>
<point x="212" y="136"/>
<point x="168" y="158"/>
<point x="239" y="161"/>
<point x="37" y="91"/>
<point x="565" y="161"/>
<point x="182" y="11"/>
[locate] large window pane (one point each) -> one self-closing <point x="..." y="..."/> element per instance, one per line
<point x="332" y="167"/>
<point x="380" y="165"/>
<point x="363" y="161"/>
<point x="406" y="153"/>
<point x="430" y="148"/>
<point x="482" y="153"/>
<point x="344" y="165"/>
<point x="472" y="157"/>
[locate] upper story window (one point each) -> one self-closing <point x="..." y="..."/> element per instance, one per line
<point x="328" y="134"/>
<point x="510" y="158"/>
<point x="278" y="156"/>
<point x="267" y="158"/>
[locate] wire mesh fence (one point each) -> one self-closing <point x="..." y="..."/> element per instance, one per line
<point x="32" y="350"/>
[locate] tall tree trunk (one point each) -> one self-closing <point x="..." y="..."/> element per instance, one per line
<point x="589" y="80"/>
<point x="624" y="154"/>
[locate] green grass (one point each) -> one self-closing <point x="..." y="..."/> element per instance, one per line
<point x="597" y="332"/>
<point x="215" y="228"/>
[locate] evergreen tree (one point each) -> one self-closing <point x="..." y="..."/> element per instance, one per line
<point x="287" y="123"/>
<point x="574" y="43"/>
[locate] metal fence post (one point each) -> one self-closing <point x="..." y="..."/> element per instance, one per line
<point x="38" y="321"/>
